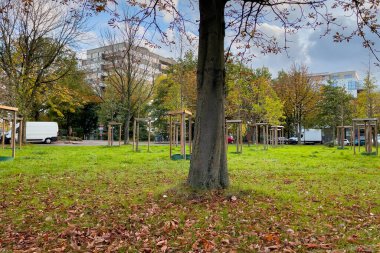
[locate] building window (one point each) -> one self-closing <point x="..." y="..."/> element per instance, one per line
<point x="347" y="76"/>
<point x="333" y="83"/>
<point x="335" y="77"/>
<point x="351" y="85"/>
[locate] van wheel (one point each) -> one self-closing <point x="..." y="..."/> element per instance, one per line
<point x="48" y="141"/>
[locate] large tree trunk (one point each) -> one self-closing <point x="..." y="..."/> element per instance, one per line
<point x="208" y="169"/>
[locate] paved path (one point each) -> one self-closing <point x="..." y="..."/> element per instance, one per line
<point x="79" y="143"/>
<point x="97" y="143"/>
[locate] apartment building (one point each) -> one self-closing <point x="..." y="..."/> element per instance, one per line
<point x="346" y="79"/>
<point x="100" y="60"/>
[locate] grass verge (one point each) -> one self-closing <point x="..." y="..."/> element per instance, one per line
<point x="285" y="199"/>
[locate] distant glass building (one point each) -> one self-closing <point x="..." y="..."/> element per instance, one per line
<point x="346" y="79"/>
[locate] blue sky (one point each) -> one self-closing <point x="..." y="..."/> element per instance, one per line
<point x="306" y="46"/>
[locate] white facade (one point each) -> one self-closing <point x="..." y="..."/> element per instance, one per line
<point x="96" y="63"/>
<point x="346" y="79"/>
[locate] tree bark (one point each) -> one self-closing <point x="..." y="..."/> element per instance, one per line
<point x="208" y="168"/>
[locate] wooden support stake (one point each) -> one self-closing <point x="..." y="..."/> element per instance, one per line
<point x="282" y="136"/>
<point x="237" y="139"/>
<point x="369" y="137"/>
<point x="365" y="137"/>
<point x="108" y="136"/>
<point x="266" y="128"/>
<point x="351" y="138"/>
<point x="149" y="126"/>
<point x="276" y="137"/>
<point x="183" y="136"/>
<point x="376" y="139"/>
<point x="175" y="134"/>
<point x="3" y="137"/>
<point x="226" y="134"/>
<point x="14" y="135"/>
<point x="241" y="138"/>
<point x="359" y="138"/>
<point x="112" y="135"/>
<point x="134" y="136"/>
<point x="353" y="129"/>
<point x="190" y="135"/>
<point x="256" y="135"/>
<point x="170" y="135"/>
<point x="137" y="135"/>
<point x="119" y="135"/>
<point x="20" y="137"/>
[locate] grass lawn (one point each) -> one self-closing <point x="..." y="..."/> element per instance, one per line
<point x="286" y="199"/>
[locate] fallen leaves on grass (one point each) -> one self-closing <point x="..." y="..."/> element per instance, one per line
<point x="206" y="223"/>
<point x="203" y="244"/>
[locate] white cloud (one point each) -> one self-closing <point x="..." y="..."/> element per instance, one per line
<point x="320" y="54"/>
<point x="298" y="51"/>
<point x="89" y="38"/>
<point x="168" y="17"/>
<point x="306" y="46"/>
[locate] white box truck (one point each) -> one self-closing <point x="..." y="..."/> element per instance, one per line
<point x="308" y="136"/>
<point x="311" y="136"/>
<point x="37" y="131"/>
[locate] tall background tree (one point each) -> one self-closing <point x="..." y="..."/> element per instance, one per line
<point x="130" y="76"/>
<point x="300" y="96"/>
<point x="73" y="104"/>
<point x="368" y="101"/>
<point x="34" y="49"/>
<point x="174" y="90"/>
<point x="335" y="107"/>
<point x="250" y="95"/>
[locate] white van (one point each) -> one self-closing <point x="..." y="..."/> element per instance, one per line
<point x="37" y="132"/>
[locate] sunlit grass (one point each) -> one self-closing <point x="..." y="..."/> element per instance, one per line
<point x="316" y="191"/>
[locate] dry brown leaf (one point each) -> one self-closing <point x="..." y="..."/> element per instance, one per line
<point x="311" y="246"/>
<point x="161" y="243"/>
<point x="271" y="238"/>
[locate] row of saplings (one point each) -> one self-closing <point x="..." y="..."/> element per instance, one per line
<point x="181" y="128"/>
<point x="181" y="131"/>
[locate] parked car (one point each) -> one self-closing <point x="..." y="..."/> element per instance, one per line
<point x="230" y="139"/>
<point x="362" y="141"/>
<point x="346" y="142"/>
<point x="293" y="140"/>
<point x="283" y="140"/>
